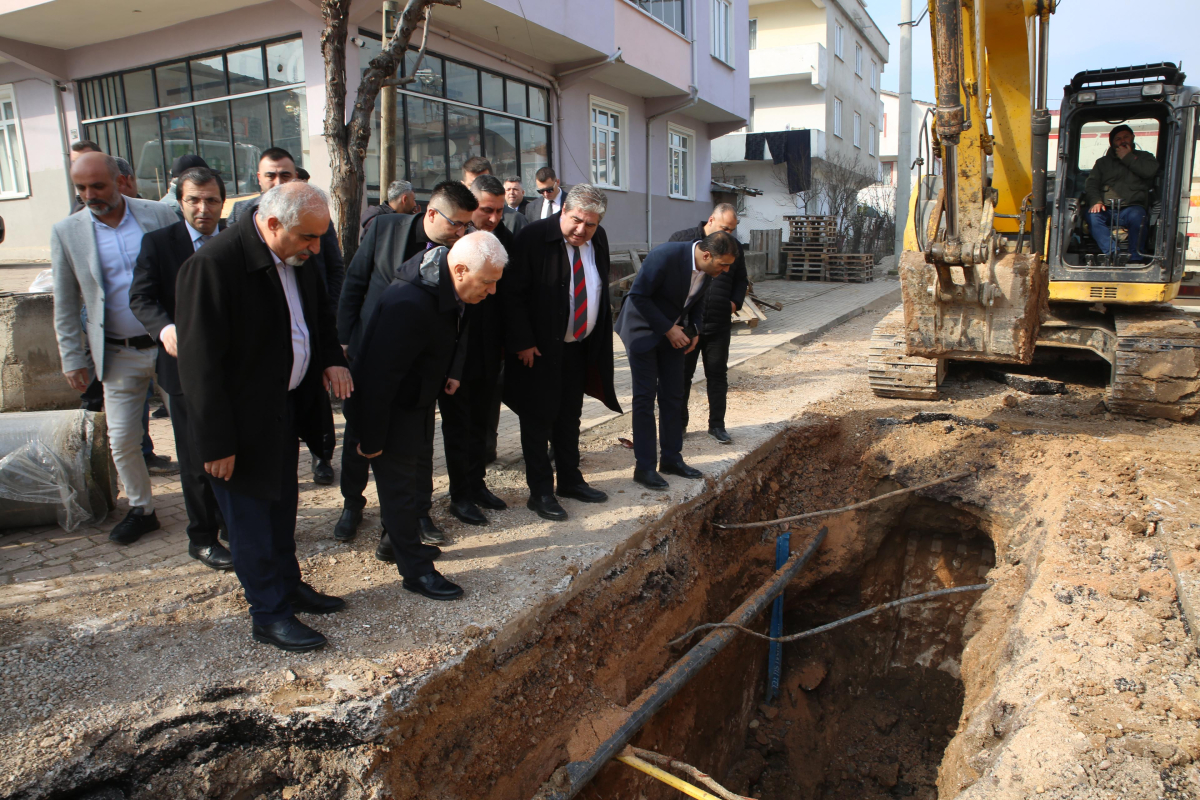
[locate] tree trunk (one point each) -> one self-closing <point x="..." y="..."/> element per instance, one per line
<point x="348" y="139"/>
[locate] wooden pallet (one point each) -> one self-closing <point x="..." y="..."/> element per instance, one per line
<point x="850" y="267"/>
<point x="806" y="270"/>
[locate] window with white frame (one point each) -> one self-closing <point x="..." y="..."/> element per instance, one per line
<point x="668" y="12"/>
<point x="722" y="30"/>
<point x="874" y="75"/>
<point x="14" y="182"/>
<point x="753" y="34"/>
<point x="608" y="143"/>
<point x="857" y="129"/>
<point x="837" y="117"/>
<point x="679" y="161"/>
<point x="871" y="139"/>
<point x="858" y="59"/>
<point x="839" y="37"/>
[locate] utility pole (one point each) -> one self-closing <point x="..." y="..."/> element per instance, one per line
<point x="904" y="157"/>
<point x="387" y="110"/>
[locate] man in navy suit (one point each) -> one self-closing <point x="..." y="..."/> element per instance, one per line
<point x="659" y="324"/>
<point x="200" y="193"/>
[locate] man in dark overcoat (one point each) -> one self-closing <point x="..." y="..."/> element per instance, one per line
<point x="398" y="386"/>
<point x="257" y="348"/>
<point x="558" y="343"/>
<point x="390" y="242"/>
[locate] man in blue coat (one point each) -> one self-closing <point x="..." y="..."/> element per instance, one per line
<point x="660" y="323"/>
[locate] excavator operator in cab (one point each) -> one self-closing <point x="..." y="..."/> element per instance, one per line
<point x="1125" y="175"/>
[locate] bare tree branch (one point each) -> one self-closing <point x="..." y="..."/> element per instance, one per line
<point x="349" y="137"/>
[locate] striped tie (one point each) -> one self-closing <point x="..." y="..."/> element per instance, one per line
<point x="579" y="324"/>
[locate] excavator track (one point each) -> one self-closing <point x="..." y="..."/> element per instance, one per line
<point x="892" y="373"/>
<point x="1157" y="370"/>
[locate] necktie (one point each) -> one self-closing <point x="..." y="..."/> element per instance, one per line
<point x="579" y="285"/>
<point x="203" y="240"/>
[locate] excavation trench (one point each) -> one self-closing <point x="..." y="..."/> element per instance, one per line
<point x="864" y="711"/>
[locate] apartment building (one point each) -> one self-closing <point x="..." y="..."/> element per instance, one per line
<point x="815" y="65"/>
<point x="623" y="94"/>
<point x="882" y="194"/>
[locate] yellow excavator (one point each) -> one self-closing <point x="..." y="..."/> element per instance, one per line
<point x="998" y="262"/>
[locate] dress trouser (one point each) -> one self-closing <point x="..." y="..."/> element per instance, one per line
<point x="714" y="347"/>
<point x="128" y="373"/>
<point x="404" y="482"/>
<point x="204" y="516"/>
<point x="466" y="424"/>
<point x="657" y="372"/>
<point x="262" y="534"/>
<point x="561" y="430"/>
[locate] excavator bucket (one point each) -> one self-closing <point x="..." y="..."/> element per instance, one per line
<point x="995" y="318"/>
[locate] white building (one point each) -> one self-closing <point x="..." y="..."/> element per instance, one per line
<point x="882" y="195"/>
<point x="816" y="65"/>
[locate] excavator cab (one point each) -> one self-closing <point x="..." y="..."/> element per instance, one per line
<point x="1152" y="100"/>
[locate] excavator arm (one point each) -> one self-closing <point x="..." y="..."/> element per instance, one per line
<point x="977" y="287"/>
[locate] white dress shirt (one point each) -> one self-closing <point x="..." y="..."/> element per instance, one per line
<point x="119" y="248"/>
<point x="551" y="207"/>
<point x="591" y="280"/>
<point x="301" y="346"/>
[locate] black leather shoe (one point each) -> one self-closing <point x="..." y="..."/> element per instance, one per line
<point x="161" y="465"/>
<point x="547" y="507"/>
<point x="384" y="551"/>
<point x="289" y="634"/>
<point x="434" y="586"/>
<point x="136" y="523"/>
<point x="484" y="497"/>
<point x="322" y="471"/>
<point x="468" y="512"/>
<point x="307" y="600"/>
<point x="347" y="524"/>
<point x="430" y="533"/>
<point x="721" y="435"/>
<point x="583" y="493"/>
<point x="213" y="555"/>
<point x="681" y="469"/>
<point x="650" y="479"/>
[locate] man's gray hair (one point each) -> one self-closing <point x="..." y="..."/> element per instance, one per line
<point x="123" y="167"/>
<point x="585" y="197"/>
<point x="721" y="209"/>
<point x="287" y="201"/>
<point x="397" y="189"/>
<point x="477" y="249"/>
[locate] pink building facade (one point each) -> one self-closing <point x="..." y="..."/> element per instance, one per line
<point x="626" y="95"/>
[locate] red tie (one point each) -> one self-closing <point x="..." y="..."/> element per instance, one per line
<point x="579" y="324"/>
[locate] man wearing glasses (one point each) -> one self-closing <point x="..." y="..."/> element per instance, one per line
<point x="550" y="196"/>
<point x="200" y="193"/>
<point x="390" y="241"/>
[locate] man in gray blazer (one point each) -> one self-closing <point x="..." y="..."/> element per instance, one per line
<point x="92" y="255"/>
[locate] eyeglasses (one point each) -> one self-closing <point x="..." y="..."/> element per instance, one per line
<point x="553" y="190"/>
<point x="458" y="226"/>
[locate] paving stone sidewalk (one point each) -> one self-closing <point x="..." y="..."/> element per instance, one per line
<point x="32" y="561"/>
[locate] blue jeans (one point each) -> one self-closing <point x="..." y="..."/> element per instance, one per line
<point x="1132" y="219"/>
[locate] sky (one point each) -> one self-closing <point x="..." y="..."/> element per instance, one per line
<point x="1084" y="34"/>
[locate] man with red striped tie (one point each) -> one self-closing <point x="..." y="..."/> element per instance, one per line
<point x="558" y="340"/>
